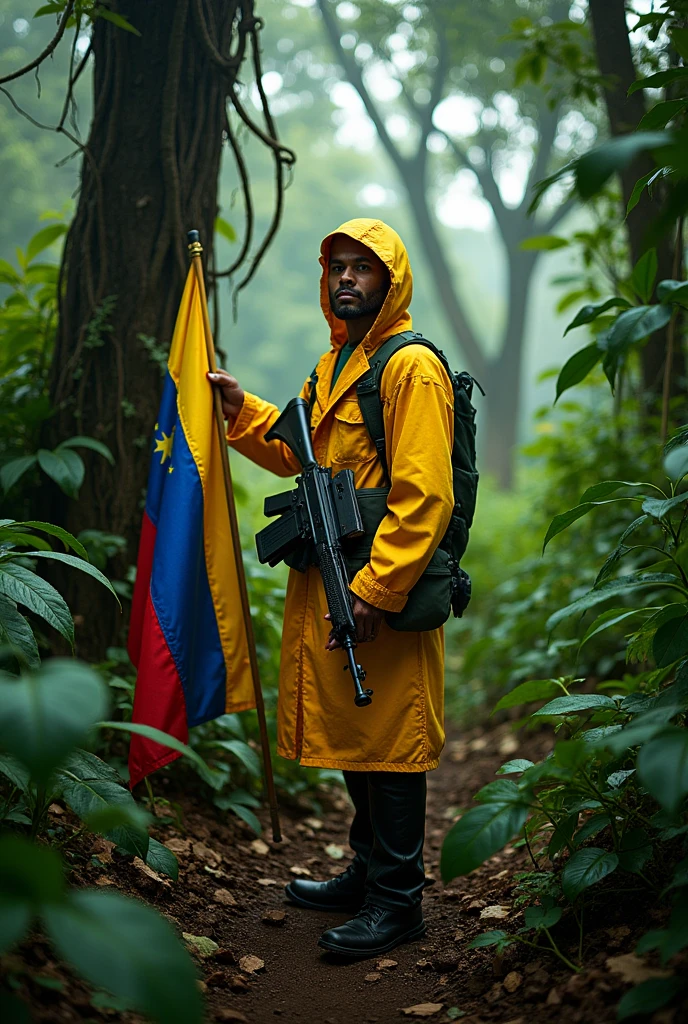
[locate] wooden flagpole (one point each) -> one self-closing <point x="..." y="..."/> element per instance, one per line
<point x="195" y="250"/>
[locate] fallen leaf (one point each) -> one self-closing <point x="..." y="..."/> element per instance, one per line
<point x="422" y="1009"/>
<point x="215" y="872"/>
<point x="334" y="851"/>
<point x="204" y="852"/>
<point x="267" y="881"/>
<point x="634" y="970"/>
<point x="553" y="999"/>
<point x="296" y="870"/>
<point x="138" y="863"/>
<point x="251" y="964"/>
<point x="474" y="907"/>
<point x="104" y="880"/>
<point x="102" y="849"/>
<point x="226" y="1015"/>
<point x="56" y="809"/>
<point x="500" y="874"/>
<point x="512" y="981"/>
<point x="386" y="965"/>
<point x="178" y="846"/>
<point x="260" y="847"/>
<point x="200" y="944"/>
<point x="314" y="823"/>
<point x="224" y="896"/>
<point x="274" y="917"/>
<point x="496" y="913"/>
<point x="373" y="976"/>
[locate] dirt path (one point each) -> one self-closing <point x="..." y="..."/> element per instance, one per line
<point x="230" y="890"/>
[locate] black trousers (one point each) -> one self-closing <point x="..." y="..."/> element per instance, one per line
<point x="387" y="835"/>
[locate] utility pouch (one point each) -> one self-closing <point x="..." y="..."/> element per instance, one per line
<point x="430" y="602"/>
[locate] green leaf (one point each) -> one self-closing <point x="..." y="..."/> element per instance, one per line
<point x="660" y="115"/>
<point x="123" y="946"/>
<point x="116" y="19"/>
<point x="648" y="996"/>
<point x="634" y="325"/>
<point x="14" y="470"/>
<point x="609" y="589"/>
<point x="65" y="536"/>
<point x="543" y="242"/>
<point x="245" y="754"/>
<point x="577" y="368"/>
<point x="584" y="868"/>
<point x="676" y="462"/>
<point x="595" y="168"/>
<point x="46" y="714"/>
<point x="638" y="190"/>
<point x="525" y="693"/>
<point x="611" y="617"/>
<point x="28" y="589"/>
<point x="224" y="228"/>
<point x="16" y="632"/>
<point x="658" y="508"/>
<point x="565" y="519"/>
<point x="214" y="779"/>
<point x="592" y="827"/>
<point x="635" y="850"/>
<point x="479" y="833"/>
<point x="644" y="274"/>
<point x="30" y="876"/>
<point x="670" y="641"/>
<point x="76" y="563"/>
<point x="66" y="468"/>
<point x="606" y="487"/>
<point x="572" y="754"/>
<point x="658" y="80"/>
<point x="8" y="275"/>
<point x="542" y="917"/>
<point x="575" y="703"/>
<point x="43" y="239"/>
<point x="88" y="442"/>
<point x="161" y="859"/>
<point x="15" y="772"/>
<point x="519" y="764"/>
<point x="589" y="313"/>
<point x="493" y="938"/>
<point x="644" y="727"/>
<point x="502" y="791"/>
<point x="106" y="806"/>
<point x="673" y="291"/>
<point x="663" y="767"/>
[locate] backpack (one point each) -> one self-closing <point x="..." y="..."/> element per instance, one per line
<point x="463" y="458"/>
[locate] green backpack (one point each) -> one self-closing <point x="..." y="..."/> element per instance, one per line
<point x="444" y="586"/>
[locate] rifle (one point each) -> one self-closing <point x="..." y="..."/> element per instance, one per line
<point x="314" y="517"/>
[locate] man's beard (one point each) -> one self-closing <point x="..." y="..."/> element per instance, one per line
<point x="373" y="304"/>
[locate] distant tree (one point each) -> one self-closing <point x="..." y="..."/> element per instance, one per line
<point x="446" y="49"/>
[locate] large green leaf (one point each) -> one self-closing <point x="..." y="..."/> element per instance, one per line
<point x="673" y="291"/>
<point x="14" y="470"/>
<point x="676" y="462"/>
<point x="671" y="641"/>
<point x="635" y="850"/>
<point x="44" y="715"/>
<point x="525" y="693"/>
<point x="633" y="325"/>
<point x="587" y="314"/>
<point x="612" y="587"/>
<point x="15" y="771"/>
<point x="245" y="754"/>
<point x="89" y="794"/>
<point x="658" y="508"/>
<point x="658" y="80"/>
<point x="577" y="368"/>
<point x="610" y="617"/>
<point x="40" y="597"/>
<point x="638" y="190"/>
<point x="66" y="468"/>
<point x="161" y="859"/>
<point x="43" y="239"/>
<point x="660" y="115"/>
<point x="123" y="946"/>
<point x="518" y="765"/>
<point x="88" y="442"/>
<point x="663" y="767"/>
<point x="606" y="487"/>
<point x="643" y="727"/>
<point x="125" y="824"/>
<point x="575" y="703"/>
<point x="76" y="563"/>
<point x="30" y="876"/>
<point x="586" y="867"/>
<point x="644" y="274"/>
<point x="565" y="519"/>
<point x="16" y="632"/>
<point x="479" y="833"/>
<point x="648" y="996"/>
<point x="595" y="168"/>
<point x="68" y="539"/>
<point x="214" y="779"/>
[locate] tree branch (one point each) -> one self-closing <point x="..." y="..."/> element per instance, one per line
<point x="47" y="51"/>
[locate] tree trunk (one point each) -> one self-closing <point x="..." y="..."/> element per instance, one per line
<point x="615" y="61"/>
<point x="149" y="174"/>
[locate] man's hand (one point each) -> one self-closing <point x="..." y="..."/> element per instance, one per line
<point x="231" y="392"/>
<point x="368" y="621"/>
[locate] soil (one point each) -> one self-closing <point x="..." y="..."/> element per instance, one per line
<point x="230" y="890"/>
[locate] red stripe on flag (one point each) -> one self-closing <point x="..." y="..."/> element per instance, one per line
<point x="140" y="599"/>
<point x="158" y="700"/>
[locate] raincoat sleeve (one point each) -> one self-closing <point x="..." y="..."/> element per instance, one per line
<point x="247" y="436"/>
<point x="419" y="428"/>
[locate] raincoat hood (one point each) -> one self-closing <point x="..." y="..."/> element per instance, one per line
<point x="394" y="317"/>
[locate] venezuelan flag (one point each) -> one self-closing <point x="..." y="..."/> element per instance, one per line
<point x="187" y="636"/>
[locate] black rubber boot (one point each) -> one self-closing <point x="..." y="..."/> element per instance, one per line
<point x="347" y="890"/>
<point x="392" y="911"/>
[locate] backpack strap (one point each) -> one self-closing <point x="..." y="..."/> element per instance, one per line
<point x="368" y="387"/>
<point x="312" y="382"/>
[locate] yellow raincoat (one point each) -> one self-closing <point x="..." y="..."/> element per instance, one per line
<point x="318" y="723"/>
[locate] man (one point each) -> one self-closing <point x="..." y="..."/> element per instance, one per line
<point x="384" y="750"/>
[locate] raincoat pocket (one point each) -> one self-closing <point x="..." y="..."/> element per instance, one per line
<point x="350" y="440"/>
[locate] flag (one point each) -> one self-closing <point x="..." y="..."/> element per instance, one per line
<point x="187" y="636"/>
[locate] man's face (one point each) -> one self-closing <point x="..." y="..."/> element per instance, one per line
<point x="358" y="280"/>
